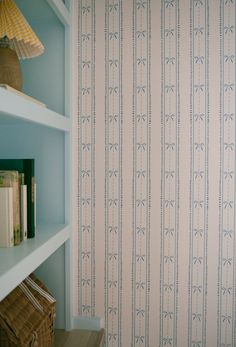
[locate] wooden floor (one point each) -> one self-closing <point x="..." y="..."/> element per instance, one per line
<point x="79" y="338"/>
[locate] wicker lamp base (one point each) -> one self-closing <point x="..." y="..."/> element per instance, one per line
<point x="10" y="70"/>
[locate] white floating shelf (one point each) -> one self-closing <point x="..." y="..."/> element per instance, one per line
<point x="18" y="262"/>
<point x="20" y="108"/>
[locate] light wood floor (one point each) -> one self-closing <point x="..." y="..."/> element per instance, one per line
<point x="79" y="338"/>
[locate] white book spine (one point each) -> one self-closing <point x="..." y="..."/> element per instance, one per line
<point x="24" y="210"/>
<point x="6" y="217"/>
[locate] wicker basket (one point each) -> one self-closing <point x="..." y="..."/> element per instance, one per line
<point x="27" y="316"/>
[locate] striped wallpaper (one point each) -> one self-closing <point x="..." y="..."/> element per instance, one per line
<point x="156" y="171"/>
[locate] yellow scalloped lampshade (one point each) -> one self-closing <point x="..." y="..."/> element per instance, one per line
<point x="13" y="25"/>
<point x="17" y="41"/>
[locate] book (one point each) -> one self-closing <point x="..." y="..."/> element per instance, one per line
<point x="11" y="179"/>
<point x="24" y="211"/>
<point x="6" y="217"/>
<point x="35" y="205"/>
<point x="26" y="166"/>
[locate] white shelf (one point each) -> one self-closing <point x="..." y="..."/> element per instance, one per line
<point x="18" y="262"/>
<point x="30" y="130"/>
<point x="23" y="109"/>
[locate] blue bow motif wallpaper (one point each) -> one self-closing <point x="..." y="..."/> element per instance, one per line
<point x="86" y="184"/>
<point x="156" y="171"/>
<point x="113" y="171"/>
<point x="170" y="172"/>
<point x="141" y="172"/>
<point x="226" y="264"/>
<point x="199" y="120"/>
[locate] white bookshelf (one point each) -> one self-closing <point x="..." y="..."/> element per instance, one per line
<point x="15" y="108"/>
<point x="28" y="130"/>
<point x="17" y="262"/>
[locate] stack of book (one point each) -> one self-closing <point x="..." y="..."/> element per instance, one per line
<point x="17" y="201"/>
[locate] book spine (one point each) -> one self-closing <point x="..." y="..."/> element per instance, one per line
<point x="26" y="169"/>
<point x="35" y="205"/>
<point x="6" y="217"/>
<point x="24" y="210"/>
<point x="11" y="179"/>
<point x="30" y="180"/>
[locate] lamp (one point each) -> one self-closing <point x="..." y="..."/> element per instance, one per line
<point x="17" y="41"/>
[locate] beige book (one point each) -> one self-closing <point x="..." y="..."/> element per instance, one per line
<point x="11" y="179"/>
<point x="6" y="217"/>
<point x="23" y="208"/>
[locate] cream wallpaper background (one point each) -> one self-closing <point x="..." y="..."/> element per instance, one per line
<point x="156" y="134"/>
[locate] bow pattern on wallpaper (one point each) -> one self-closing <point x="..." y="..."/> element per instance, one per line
<point x="113" y="174"/>
<point x="86" y="158"/>
<point x="226" y="268"/>
<point x="170" y="173"/>
<point x="199" y="175"/>
<point x="159" y="265"/>
<point x="141" y="176"/>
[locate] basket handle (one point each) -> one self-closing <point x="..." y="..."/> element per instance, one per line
<point x="40" y="290"/>
<point x="30" y="296"/>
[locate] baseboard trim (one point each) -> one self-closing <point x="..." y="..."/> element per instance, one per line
<point x="87" y="323"/>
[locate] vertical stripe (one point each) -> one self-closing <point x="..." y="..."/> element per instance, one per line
<point x="141" y="172"/>
<point x="199" y="174"/>
<point x="113" y="171"/>
<point x="169" y="173"/>
<point x="226" y="269"/>
<point x="86" y="158"/>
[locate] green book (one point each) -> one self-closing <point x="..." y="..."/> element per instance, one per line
<point x="11" y="179"/>
<point x="27" y="167"/>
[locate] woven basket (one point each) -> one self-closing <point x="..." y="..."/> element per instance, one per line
<point x="27" y="316"/>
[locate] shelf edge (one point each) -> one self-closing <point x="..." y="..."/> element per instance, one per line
<point x="29" y="263"/>
<point x="20" y="108"/>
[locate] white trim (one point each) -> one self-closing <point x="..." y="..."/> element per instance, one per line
<point x="74" y="154"/>
<point x="71" y="60"/>
<point x="61" y="11"/>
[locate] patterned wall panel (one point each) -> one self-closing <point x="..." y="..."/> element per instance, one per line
<point x="158" y="276"/>
<point x="141" y="173"/>
<point x="226" y="297"/>
<point x="170" y="172"/>
<point x="199" y="174"/>
<point x="113" y="171"/>
<point x="86" y="285"/>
